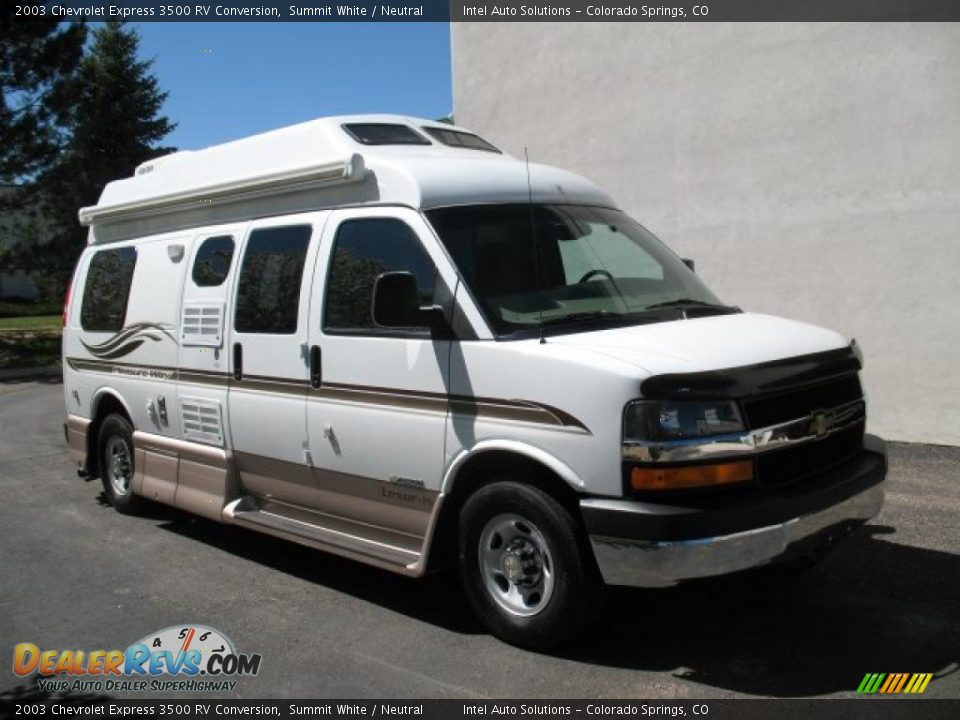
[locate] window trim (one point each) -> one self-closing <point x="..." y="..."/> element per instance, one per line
<point x="86" y="285"/>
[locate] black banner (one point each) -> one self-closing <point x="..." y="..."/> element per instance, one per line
<point x="482" y="11"/>
<point x="865" y="708"/>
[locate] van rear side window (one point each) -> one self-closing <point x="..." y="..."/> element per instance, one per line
<point x="268" y="296"/>
<point x="107" y="290"/>
<point x="212" y="264"/>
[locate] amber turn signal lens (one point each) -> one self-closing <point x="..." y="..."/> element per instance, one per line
<point x="691" y="476"/>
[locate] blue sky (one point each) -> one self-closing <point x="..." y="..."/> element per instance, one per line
<point x="228" y="80"/>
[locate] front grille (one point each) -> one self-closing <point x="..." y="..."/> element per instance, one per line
<point x="773" y="409"/>
<point x="782" y="467"/>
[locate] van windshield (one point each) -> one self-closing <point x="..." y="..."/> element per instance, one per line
<point x="590" y="267"/>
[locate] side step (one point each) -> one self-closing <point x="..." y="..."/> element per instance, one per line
<point x="371" y="544"/>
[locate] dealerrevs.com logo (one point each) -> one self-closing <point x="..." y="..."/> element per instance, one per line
<point x="182" y="658"/>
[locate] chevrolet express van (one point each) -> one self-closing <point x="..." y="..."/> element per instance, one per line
<point x="382" y="337"/>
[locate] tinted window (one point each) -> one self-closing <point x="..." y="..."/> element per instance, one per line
<point x="212" y="264"/>
<point x="563" y="265"/>
<point x="457" y="138"/>
<point x="107" y="290"/>
<point x="268" y="297"/>
<point x="384" y="134"/>
<point x="363" y="250"/>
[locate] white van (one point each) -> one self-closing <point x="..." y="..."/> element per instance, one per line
<point x="381" y="337"/>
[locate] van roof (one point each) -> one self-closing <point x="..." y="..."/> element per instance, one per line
<point x="323" y="163"/>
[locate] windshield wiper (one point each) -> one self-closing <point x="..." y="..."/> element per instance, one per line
<point x="691" y="303"/>
<point x="577" y="317"/>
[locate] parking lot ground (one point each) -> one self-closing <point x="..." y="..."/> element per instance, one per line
<point x="76" y="574"/>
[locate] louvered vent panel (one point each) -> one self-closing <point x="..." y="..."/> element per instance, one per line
<point x="202" y="324"/>
<point x="201" y="420"/>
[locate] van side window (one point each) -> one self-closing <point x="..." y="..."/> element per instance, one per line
<point x="364" y="249"/>
<point x="268" y="296"/>
<point x="212" y="264"/>
<point x="107" y="290"/>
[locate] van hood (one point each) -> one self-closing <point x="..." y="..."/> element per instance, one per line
<point x="706" y="343"/>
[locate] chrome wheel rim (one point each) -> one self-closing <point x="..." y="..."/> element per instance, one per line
<point x="516" y="565"/>
<point x="119" y="464"/>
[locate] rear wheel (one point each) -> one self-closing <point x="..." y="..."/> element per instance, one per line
<point x="526" y="567"/>
<point x="117" y="464"/>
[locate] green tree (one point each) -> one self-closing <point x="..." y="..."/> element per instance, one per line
<point x="114" y="124"/>
<point x="36" y="59"/>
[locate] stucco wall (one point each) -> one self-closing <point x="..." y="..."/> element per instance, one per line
<point x="811" y="170"/>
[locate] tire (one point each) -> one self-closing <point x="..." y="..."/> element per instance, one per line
<point x="116" y="458"/>
<point x="526" y="567"/>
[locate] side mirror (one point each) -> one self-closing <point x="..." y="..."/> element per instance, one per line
<point x="396" y="303"/>
<point x="689" y="263"/>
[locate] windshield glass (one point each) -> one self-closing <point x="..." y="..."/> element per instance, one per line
<point x="589" y="265"/>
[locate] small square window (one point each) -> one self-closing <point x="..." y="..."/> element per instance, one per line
<point x="460" y="139"/>
<point x="384" y="134"/>
<point x="212" y="264"/>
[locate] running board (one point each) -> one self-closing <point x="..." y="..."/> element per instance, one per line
<point x="374" y="545"/>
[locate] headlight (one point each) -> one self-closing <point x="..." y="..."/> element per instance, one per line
<point x="666" y="420"/>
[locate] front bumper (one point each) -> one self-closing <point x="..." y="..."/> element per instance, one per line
<point x="656" y="545"/>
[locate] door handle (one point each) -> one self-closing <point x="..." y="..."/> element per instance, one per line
<point x="316" y="367"/>
<point x="237" y="362"/>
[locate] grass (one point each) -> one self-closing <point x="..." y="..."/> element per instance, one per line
<point x="36" y="322"/>
<point x="30" y="341"/>
<point x="20" y="308"/>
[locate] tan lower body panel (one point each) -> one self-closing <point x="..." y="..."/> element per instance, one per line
<point x="187" y="475"/>
<point x="379" y="523"/>
<point x="385" y="524"/>
<point x="77" y="428"/>
<point x="390" y="505"/>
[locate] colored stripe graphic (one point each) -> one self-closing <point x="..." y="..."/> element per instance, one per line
<point x="871" y="683"/>
<point x="894" y="683"/>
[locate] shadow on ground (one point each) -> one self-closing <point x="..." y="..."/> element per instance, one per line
<point x="872" y="606"/>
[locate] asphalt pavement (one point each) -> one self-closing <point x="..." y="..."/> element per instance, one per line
<point x="76" y="574"/>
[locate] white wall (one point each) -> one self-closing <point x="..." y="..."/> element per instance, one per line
<point x="811" y="170"/>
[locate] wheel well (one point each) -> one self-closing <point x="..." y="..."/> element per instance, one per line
<point x="480" y="470"/>
<point x="107" y="405"/>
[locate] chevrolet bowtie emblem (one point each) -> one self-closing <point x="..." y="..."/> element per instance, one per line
<point x="821" y="423"/>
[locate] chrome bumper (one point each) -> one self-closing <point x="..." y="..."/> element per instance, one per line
<point x="661" y="564"/>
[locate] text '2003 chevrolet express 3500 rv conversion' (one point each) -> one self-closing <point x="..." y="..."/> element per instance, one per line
<point x="381" y="337"/>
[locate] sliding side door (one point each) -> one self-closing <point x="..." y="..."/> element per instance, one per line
<point x="269" y="375"/>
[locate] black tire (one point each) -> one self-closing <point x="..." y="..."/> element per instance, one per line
<point x="116" y="438"/>
<point x="557" y="615"/>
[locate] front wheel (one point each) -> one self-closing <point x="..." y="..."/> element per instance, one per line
<point x="526" y="567"/>
<point x="116" y="464"/>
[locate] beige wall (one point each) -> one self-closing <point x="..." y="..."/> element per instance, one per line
<point x="811" y="170"/>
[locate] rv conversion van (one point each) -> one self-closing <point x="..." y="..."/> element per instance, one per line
<point x="382" y="337"/>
